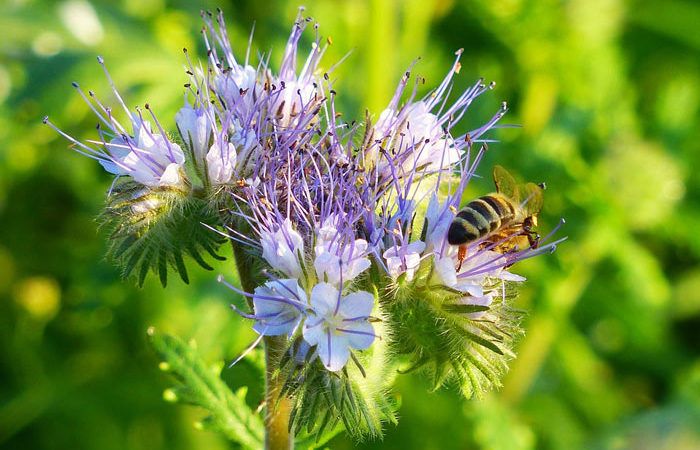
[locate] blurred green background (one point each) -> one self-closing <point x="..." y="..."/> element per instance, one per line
<point x="608" y="95"/>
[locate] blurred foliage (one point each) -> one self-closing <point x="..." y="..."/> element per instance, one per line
<point x="608" y="96"/>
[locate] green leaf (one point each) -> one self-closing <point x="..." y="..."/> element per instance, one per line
<point x="199" y="385"/>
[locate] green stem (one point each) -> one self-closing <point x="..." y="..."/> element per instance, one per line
<point x="277" y="436"/>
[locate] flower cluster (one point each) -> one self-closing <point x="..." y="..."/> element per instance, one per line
<point x="350" y="220"/>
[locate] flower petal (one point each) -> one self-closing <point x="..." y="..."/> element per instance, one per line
<point x="360" y="334"/>
<point x="357" y="304"/>
<point x="324" y="299"/>
<point x="334" y="351"/>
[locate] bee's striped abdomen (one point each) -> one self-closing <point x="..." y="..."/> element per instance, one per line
<point x="479" y="218"/>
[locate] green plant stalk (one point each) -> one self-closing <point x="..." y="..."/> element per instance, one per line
<point x="277" y="435"/>
<point x="278" y="409"/>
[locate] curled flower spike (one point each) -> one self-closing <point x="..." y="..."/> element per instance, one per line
<point x="337" y="324"/>
<point x="329" y="221"/>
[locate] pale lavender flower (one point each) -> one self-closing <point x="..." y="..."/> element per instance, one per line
<point x="221" y="160"/>
<point x="298" y="91"/>
<point x="195" y="129"/>
<point x="404" y="259"/>
<point x="147" y="156"/>
<point x="283" y="248"/>
<point x="474" y="273"/>
<point x="337" y="324"/>
<point x="278" y="307"/>
<point x="338" y="260"/>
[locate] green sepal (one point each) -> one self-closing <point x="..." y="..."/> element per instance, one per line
<point x="153" y="229"/>
<point x="433" y="330"/>
<point x="200" y="385"/>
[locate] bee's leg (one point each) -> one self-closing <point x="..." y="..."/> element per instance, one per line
<point x="532" y="236"/>
<point x="461" y="254"/>
<point x="534" y="239"/>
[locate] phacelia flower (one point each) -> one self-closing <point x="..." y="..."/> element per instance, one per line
<point x="337" y="324"/>
<point x="147" y="156"/>
<point x="278" y="307"/>
<point x="221" y="160"/>
<point x="404" y="259"/>
<point x="338" y="260"/>
<point x="283" y="248"/>
<point x="195" y="129"/>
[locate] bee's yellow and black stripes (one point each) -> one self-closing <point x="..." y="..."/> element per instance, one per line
<point x="480" y="217"/>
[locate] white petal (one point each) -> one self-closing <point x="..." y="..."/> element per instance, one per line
<point x="472" y="288"/>
<point x="355" y="268"/>
<point x="327" y="267"/>
<point x="171" y="175"/>
<point x="278" y="253"/>
<point x="277" y="316"/>
<point x="333" y="350"/>
<point x="416" y="247"/>
<point x="314" y="329"/>
<point x="483" y="300"/>
<point x="360" y="334"/>
<point x="324" y="299"/>
<point x="445" y="271"/>
<point x="357" y="304"/>
<point x="220" y="163"/>
<point x="508" y="276"/>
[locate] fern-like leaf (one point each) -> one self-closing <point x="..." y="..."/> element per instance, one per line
<point x="202" y="386"/>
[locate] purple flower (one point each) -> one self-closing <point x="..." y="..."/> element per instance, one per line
<point x="221" y="160"/>
<point x="337" y="260"/>
<point x="404" y="259"/>
<point x="337" y="324"/>
<point x="195" y="129"/>
<point x="283" y="248"/>
<point x="147" y="156"/>
<point x="278" y="307"/>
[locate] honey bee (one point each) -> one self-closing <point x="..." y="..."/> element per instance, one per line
<point x="503" y="220"/>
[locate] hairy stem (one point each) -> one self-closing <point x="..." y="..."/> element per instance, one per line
<point x="277" y="436"/>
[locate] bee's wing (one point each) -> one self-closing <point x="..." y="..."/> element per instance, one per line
<point x="505" y="183"/>
<point x="533" y="198"/>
